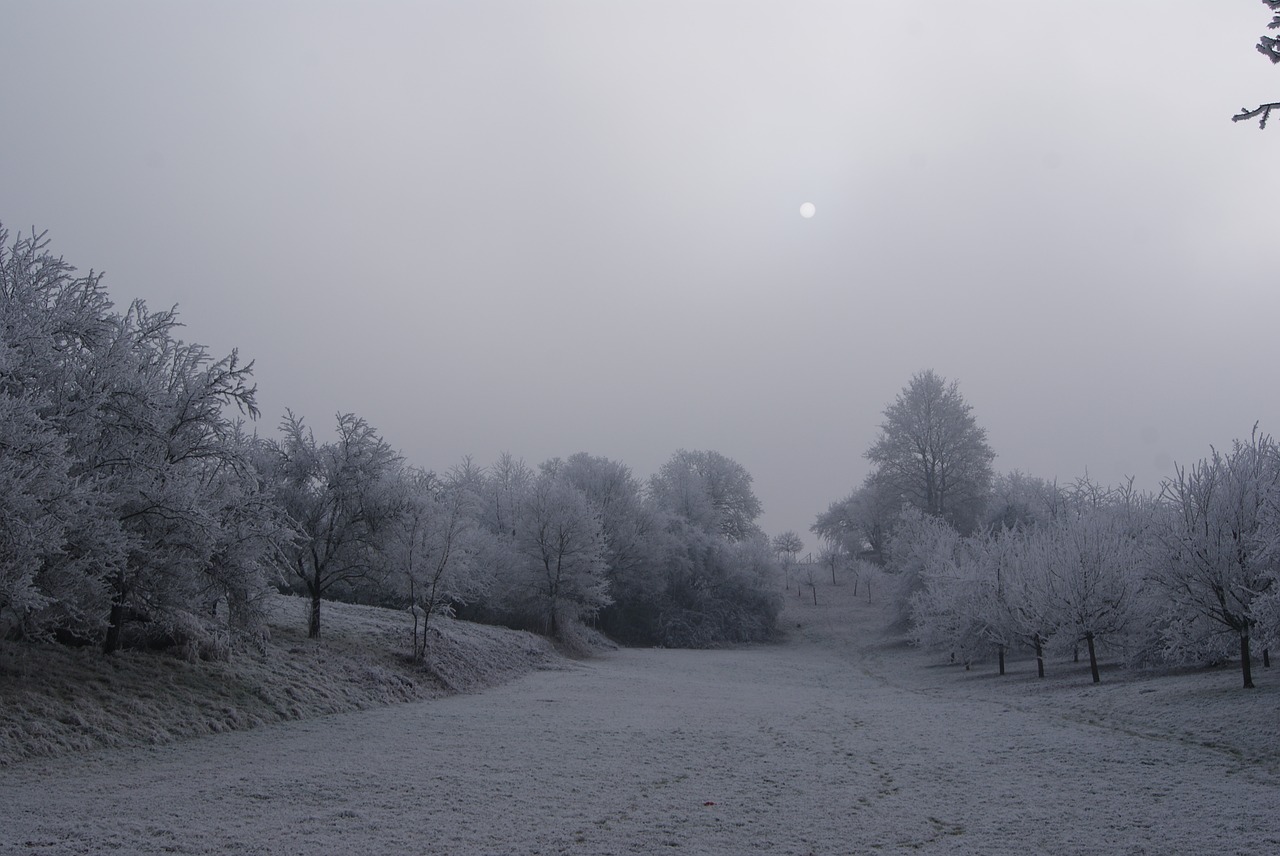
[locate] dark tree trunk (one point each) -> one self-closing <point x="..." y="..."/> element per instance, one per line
<point x="1039" y="656"/>
<point x="313" y="624"/>
<point x="1000" y="648"/>
<point x="112" y="642"/>
<point x="1246" y="668"/>
<point x="1266" y="658"/>
<point x="1093" y="658"/>
<point x="815" y="595"/>
<point x="833" y="574"/>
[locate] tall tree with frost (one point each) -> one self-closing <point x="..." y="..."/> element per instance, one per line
<point x="932" y="453"/>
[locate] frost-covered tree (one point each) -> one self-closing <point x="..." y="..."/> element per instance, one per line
<point x="833" y="559"/>
<point x="1018" y="500"/>
<point x="630" y="527"/>
<point x="709" y="491"/>
<point x="341" y="497"/>
<point x="130" y="474"/>
<point x="919" y="546"/>
<point x="563" y="548"/>
<point x="617" y="498"/>
<point x="1216" y="565"/>
<point x="931" y="452"/>
<point x="1095" y="566"/>
<point x="430" y="546"/>
<point x="786" y="546"/>
<point x="861" y="522"/>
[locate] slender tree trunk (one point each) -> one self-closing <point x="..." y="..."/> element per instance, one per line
<point x="833" y="574"/>
<point x="1246" y="668"/>
<point x="313" y="624"/>
<point x="1000" y="649"/>
<point x="1093" y="658"/>
<point x="116" y="622"/>
<point x="1039" y="656"/>
<point x="112" y="642"/>
<point x="1266" y="658"/>
<point x="815" y="595"/>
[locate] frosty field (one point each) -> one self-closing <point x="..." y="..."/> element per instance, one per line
<point x="839" y="740"/>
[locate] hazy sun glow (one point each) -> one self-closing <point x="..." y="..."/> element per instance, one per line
<point x="808" y="209"/>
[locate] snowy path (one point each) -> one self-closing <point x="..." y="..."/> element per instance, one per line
<point x="822" y="745"/>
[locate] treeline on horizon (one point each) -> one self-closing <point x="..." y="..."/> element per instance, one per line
<point x="993" y="563"/>
<point x="138" y="509"/>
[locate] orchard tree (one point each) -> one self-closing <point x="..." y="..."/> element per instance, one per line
<point x="1217" y="562"/>
<point x="786" y="546"/>
<point x="1095" y="567"/>
<point x="931" y="452"/>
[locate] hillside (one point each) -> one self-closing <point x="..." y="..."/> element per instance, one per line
<point x="59" y="699"/>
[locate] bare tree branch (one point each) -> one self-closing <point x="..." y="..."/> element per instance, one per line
<point x="1263" y="110"/>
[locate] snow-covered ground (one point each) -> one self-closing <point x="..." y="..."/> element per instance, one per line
<point x="834" y="742"/>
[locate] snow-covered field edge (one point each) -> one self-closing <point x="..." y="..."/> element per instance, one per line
<point x="58" y="699"/>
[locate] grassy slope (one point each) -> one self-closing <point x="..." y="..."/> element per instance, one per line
<point x="55" y="700"/>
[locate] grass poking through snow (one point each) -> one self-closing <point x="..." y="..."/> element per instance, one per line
<point x="55" y="699"/>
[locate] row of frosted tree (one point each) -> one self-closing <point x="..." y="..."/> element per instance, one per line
<point x="137" y="508"/>
<point x="1188" y="575"/>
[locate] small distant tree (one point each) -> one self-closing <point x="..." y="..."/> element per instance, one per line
<point x="811" y="580"/>
<point x="786" y="546"/>
<point x="832" y="558"/>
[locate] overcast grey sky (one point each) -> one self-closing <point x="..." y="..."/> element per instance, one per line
<point x="550" y="227"/>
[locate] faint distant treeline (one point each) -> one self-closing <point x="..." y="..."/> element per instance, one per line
<point x="135" y="507"/>
<point x="993" y="564"/>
